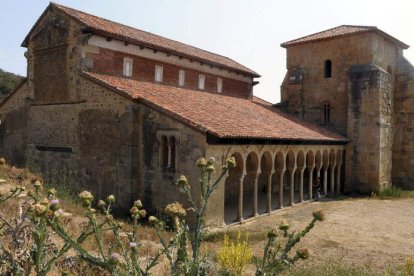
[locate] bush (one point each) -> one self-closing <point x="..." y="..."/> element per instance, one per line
<point x="234" y="256"/>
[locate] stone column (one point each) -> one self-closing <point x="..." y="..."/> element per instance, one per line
<point x="310" y="184"/>
<point x="292" y="187"/>
<point x="269" y="193"/>
<point x="302" y="170"/>
<point x="281" y="174"/>
<point x="255" y="184"/>
<point x="333" y="180"/>
<point x="240" y="205"/>
<point x="325" y="181"/>
<point x="338" y="179"/>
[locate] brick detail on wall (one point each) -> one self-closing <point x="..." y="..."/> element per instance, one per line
<point x="111" y="62"/>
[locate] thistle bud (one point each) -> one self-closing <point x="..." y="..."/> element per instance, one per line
<point x="101" y="203"/>
<point x="138" y="204"/>
<point x="302" y="253"/>
<point x="175" y="210"/>
<point x="115" y="259"/>
<point x="142" y="213"/>
<point x="54" y="205"/>
<point x="133" y="245"/>
<point x="152" y="220"/>
<point x="2" y="161"/>
<point x="134" y="211"/>
<point x="231" y="162"/>
<point x="283" y="225"/>
<point x="182" y="182"/>
<point x="39" y="209"/>
<point x="271" y="234"/>
<point x="201" y="162"/>
<point x="37" y="184"/>
<point x="86" y="198"/>
<point x="210" y="169"/>
<point x="51" y="192"/>
<point x="318" y="215"/>
<point x="110" y="199"/>
<point x="211" y="161"/>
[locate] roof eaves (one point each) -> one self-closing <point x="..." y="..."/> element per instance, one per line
<point x="146" y="102"/>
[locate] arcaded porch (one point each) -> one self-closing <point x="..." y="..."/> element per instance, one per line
<point x="271" y="177"/>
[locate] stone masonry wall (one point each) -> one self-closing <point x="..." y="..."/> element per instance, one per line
<point x="307" y="98"/>
<point x="403" y="148"/>
<point x="369" y="155"/>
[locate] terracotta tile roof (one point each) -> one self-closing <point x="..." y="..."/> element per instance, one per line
<point x="261" y="101"/>
<point x="122" y="32"/>
<point x="339" y="31"/>
<point x="221" y="116"/>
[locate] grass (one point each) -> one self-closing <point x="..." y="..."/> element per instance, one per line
<point x="328" y="268"/>
<point x="218" y="236"/>
<point x="394" y="192"/>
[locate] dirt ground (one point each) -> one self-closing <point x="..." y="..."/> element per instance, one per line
<point x="356" y="230"/>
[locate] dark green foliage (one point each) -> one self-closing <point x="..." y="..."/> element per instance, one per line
<point x="8" y="82"/>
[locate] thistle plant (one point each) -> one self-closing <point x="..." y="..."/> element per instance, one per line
<point x="120" y="257"/>
<point x="276" y="256"/>
<point x="182" y="261"/>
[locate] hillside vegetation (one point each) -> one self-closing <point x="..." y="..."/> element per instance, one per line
<point x="8" y="82"/>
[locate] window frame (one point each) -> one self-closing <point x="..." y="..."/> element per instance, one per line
<point x="128" y="65"/>
<point x="201" y="81"/>
<point x="219" y="85"/>
<point x="181" y="77"/>
<point x="159" y="72"/>
<point x="327" y="73"/>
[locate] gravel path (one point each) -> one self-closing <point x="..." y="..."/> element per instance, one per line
<point x="358" y="231"/>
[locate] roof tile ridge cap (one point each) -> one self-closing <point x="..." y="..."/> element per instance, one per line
<point x="63" y="7"/>
<point x="305" y="36"/>
<point x="369" y="28"/>
<point x="147" y="32"/>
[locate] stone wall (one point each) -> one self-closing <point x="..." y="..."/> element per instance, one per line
<point x="370" y="106"/>
<point x="158" y="187"/>
<point x="403" y="148"/>
<point x="307" y="97"/>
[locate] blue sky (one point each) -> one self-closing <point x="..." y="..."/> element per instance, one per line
<point x="249" y="31"/>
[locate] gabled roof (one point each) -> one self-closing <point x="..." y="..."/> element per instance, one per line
<point x="218" y="115"/>
<point x="340" y="31"/>
<point x="105" y="27"/>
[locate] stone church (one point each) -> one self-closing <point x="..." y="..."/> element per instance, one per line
<point x="131" y="111"/>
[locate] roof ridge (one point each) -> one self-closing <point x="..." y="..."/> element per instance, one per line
<point x="324" y="31"/>
<point x="63" y="7"/>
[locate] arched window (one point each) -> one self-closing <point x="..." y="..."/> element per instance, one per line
<point x="172" y="152"/>
<point x="164" y="152"/>
<point x="326" y="113"/>
<point x="328" y="68"/>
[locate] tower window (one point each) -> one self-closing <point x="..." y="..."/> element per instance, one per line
<point x="219" y="85"/>
<point x="328" y="68"/>
<point x="201" y="81"/>
<point x="127" y="71"/>
<point x="326" y="113"/>
<point x="181" y="77"/>
<point x="158" y="73"/>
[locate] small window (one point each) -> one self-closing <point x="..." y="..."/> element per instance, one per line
<point x="127" y="67"/>
<point x="172" y="152"/>
<point x="158" y="73"/>
<point x="164" y="152"/>
<point x="219" y="85"/>
<point x="181" y="77"/>
<point x="328" y="68"/>
<point x="326" y="113"/>
<point x="201" y="81"/>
